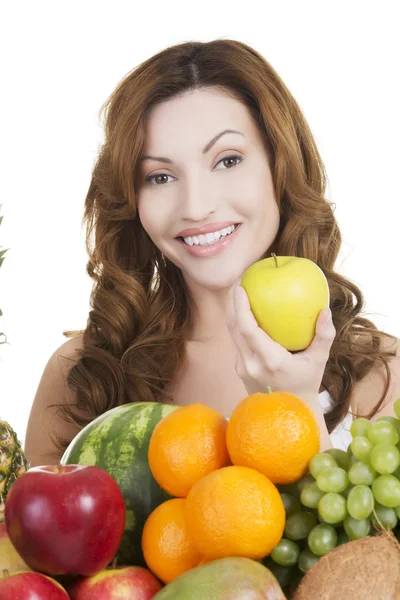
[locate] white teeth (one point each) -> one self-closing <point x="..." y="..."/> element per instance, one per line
<point x="208" y="238"/>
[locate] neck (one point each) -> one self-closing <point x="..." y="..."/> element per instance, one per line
<point x="211" y="308"/>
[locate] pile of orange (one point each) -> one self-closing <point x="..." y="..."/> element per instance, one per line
<point x="223" y="475"/>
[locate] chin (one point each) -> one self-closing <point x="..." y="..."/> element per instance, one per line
<point x="214" y="282"/>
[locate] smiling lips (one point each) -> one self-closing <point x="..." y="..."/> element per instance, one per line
<point x="209" y="228"/>
<point x="208" y="243"/>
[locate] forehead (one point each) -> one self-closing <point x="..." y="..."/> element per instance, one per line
<point x="196" y="115"/>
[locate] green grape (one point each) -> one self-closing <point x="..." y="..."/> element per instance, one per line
<point x="397" y="511"/>
<point x="385" y="517"/>
<point x="349" y="451"/>
<point x="311" y="495"/>
<point x="307" y="559"/>
<point x="361" y="446"/>
<point x="397" y="407"/>
<point x="343" y="538"/>
<point x="299" y="525"/>
<point x="360" y="426"/>
<point x="291" y="504"/>
<point x="396" y="473"/>
<point x="386" y="489"/>
<point x="356" y="528"/>
<point x="381" y="432"/>
<point x="337" y="526"/>
<point x="289" y="488"/>
<point x="348" y="489"/>
<point x="361" y="473"/>
<point x="395" y="422"/>
<point x="353" y="460"/>
<point x="332" y="508"/>
<point x="340" y="456"/>
<point x="360" y="502"/>
<point x="385" y="458"/>
<point x="322" y="539"/>
<point x="320" y="462"/>
<point x="304" y="481"/>
<point x="286" y="553"/>
<point x="284" y="575"/>
<point x="333" y="479"/>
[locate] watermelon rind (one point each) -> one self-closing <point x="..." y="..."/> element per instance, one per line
<point x="118" y="441"/>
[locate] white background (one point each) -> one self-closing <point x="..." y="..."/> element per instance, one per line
<point x="61" y="60"/>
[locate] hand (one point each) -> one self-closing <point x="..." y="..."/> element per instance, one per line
<point x="261" y="362"/>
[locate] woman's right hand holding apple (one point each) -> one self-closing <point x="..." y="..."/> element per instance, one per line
<point x="262" y="363"/>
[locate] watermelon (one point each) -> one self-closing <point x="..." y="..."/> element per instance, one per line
<point x="118" y="441"/>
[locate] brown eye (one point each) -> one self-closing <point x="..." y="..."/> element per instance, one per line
<point x="157" y="178"/>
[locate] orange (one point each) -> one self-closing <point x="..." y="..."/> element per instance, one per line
<point x="235" y="511"/>
<point x="275" y="433"/>
<point x="185" y="445"/>
<point x="167" y="548"/>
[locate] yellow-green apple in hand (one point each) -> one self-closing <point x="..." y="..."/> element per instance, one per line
<point x="286" y="295"/>
<point x="262" y="362"/>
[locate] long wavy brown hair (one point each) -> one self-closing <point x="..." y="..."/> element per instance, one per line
<point x="140" y="316"/>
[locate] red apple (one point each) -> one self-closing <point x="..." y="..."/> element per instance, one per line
<point x="65" y="519"/>
<point x="27" y="585"/>
<point x="135" y="583"/>
<point x="10" y="560"/>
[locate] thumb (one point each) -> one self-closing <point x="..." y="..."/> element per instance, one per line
<point x="324" y="335"/>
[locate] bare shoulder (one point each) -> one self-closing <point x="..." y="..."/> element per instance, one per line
<point x="52" y="391"/>
<point x="68" y="353"/>
<point x="367" y="392"/>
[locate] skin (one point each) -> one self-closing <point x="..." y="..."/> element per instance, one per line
<point x="197" y="192"/>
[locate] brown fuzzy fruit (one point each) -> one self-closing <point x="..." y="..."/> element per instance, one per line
<point x="367" y="569"/>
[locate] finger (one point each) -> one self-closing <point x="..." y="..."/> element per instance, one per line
<point x="232" y="322"/>
<point x="231" y="294"/>
<point x="324" y="336"/>
<point x="245" y="352"/>
<point x="270" y="352"/>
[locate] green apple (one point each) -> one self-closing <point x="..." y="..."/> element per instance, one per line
<point x="286" y="295"/>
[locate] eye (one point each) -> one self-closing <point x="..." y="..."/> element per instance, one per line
<point x="236" y="157"/>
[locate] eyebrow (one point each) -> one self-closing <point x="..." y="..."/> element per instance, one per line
<point x="205" y="150"/>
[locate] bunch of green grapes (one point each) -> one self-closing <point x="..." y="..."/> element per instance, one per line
<point x="346" y="496"/>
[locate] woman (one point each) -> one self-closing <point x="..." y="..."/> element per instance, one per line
<point x="201" y="138"/>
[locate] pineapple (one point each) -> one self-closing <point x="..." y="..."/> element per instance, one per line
<point x="12" y="461"/>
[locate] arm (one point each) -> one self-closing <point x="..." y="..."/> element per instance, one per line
<point x="325" y="439"/>
<point x="53" y="389"/>
<point x="369" y="390"/>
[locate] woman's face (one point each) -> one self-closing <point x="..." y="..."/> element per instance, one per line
<point x="207" y="188"/>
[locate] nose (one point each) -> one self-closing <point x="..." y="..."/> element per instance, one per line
<point x="197" y="202"/>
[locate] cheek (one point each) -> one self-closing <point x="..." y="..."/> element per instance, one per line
<point x="150" y="217"/>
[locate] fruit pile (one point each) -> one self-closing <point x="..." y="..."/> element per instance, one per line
<point x="345" y="496"/>
<point x="162" y="502"/>
<point x="148" y="497"/>
<point x="63" y="526"/>
<point x="223" y="476"/>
